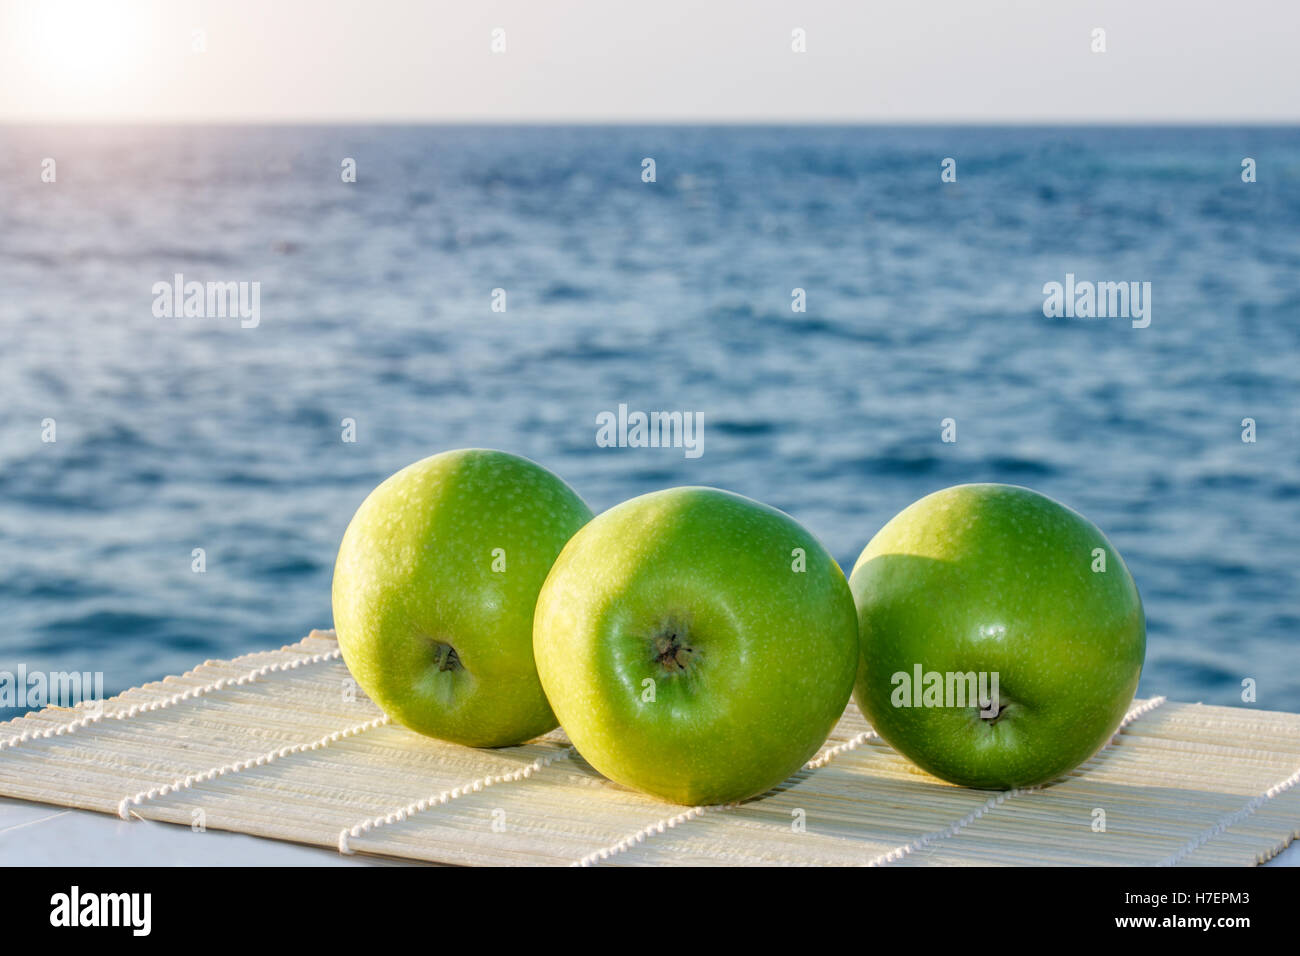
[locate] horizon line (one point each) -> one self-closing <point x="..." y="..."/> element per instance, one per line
<point x="781" y="122"/>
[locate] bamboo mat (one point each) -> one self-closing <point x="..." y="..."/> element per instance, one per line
<point x="282" y="744"/>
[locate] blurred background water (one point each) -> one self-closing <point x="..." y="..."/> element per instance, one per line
<point x="924" y="302"/>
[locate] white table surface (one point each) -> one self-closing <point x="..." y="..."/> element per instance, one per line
<point x="36" y="834"/>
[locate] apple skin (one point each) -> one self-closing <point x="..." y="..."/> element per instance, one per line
<point x="414" y="578"/>
<point x="766" y="657"/>
<point x="998" y="578"/>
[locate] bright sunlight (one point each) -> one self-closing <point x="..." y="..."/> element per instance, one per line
<point x="84" y="49"/>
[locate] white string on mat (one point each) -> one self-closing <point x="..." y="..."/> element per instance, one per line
<point x="446" y="796"/>
<point x="124" y="807"/>
<point x="896" y="854"/>
<point x="591" y="859"/>
<point x="625" y="844"/>
<point x="853" y="744"/>
<point x="1231" y="820"/>
<point x="87" y="719"/>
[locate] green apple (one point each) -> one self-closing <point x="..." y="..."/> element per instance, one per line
<point x="696" y="644"/>
<point x="434" y="590"/>
<point x="995" y="583"/>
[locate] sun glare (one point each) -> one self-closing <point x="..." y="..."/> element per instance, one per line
<point x="80" y="46"/>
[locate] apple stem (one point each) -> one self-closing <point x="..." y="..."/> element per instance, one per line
<point x="996" y="716"/>
<point x="671" y="653"/>
<point x="446" y="657"/>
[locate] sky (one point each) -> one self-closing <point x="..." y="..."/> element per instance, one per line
<point x="593" y="61"/>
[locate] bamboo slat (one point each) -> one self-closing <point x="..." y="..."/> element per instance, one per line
<point x="282" y="744"/>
